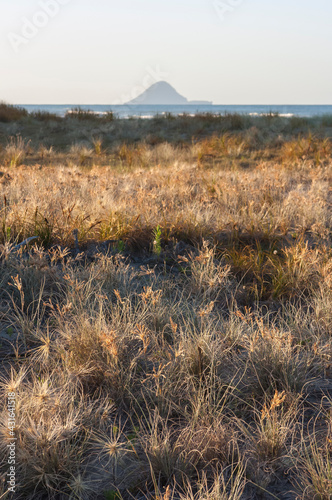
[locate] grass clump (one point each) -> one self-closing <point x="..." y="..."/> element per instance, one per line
<point x="16" y="151"/>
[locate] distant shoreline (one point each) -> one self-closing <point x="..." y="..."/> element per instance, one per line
<point x="149" y="111"/>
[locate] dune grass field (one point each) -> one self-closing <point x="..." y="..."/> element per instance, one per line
<point x="168" y="332"/>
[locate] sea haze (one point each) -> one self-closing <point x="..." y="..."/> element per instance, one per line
<point x="148" y="111"/>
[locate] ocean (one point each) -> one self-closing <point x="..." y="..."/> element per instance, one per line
<point x="126" y="111"/>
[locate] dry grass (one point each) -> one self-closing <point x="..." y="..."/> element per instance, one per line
<point x="16" y="151"/>
<point x="183" y="350"/>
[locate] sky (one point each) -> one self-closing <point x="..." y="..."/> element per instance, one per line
<point x="107" y="52"/>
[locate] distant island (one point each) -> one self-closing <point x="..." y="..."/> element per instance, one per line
<point x="162" y="93"/>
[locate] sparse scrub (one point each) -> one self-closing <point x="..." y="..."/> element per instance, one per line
<point x="80" y="114"/>
<point x="45" y="116"/>
<point x="9" y="113"/>
<point x="88" y="115"/>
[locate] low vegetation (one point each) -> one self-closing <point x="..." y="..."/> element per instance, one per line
<point x="167" y="334"/>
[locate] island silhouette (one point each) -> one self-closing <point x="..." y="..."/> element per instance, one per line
<point x="162" y="93"/>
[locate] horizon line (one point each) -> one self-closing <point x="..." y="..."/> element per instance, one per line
<point x="186" y="104"/>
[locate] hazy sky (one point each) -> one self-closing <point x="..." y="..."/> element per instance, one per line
<point x="106" y="51"/>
